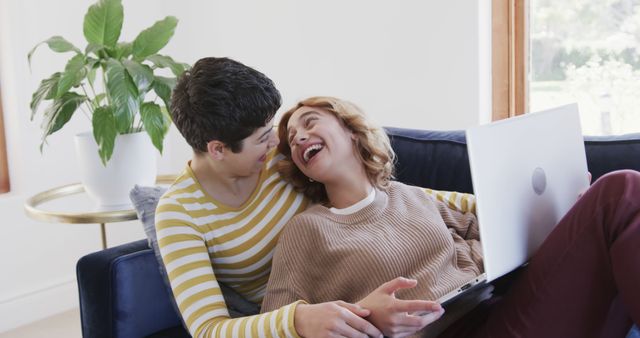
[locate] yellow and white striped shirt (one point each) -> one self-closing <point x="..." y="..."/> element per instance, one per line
<point x="455" y="200"/>
<point x="203" y="242"/>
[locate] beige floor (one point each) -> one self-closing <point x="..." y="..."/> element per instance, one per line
<point x="63" y="325"/>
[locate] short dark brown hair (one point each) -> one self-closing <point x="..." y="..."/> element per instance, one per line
<point x="222" y="99"/>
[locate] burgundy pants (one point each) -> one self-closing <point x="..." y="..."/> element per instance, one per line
<point x="584" y="281"/>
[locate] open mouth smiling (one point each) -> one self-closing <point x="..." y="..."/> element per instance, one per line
<point x="311" y="151"/>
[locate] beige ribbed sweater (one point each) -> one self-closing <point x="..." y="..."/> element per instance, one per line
<point x="322" y="256"/>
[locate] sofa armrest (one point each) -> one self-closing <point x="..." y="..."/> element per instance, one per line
<point x="122" y="294"/>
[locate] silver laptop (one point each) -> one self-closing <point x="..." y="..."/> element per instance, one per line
<point x="527" y="173"/>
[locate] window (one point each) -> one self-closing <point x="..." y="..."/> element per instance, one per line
<point x="587" y="51"/>
<point x="559" y="52"/>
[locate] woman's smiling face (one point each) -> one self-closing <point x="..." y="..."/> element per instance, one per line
<point x="320" y="144"/>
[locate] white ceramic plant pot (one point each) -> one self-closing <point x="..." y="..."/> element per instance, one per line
<point x="133" y="162"/>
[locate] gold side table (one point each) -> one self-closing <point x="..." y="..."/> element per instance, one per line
<point x="33" y="208"/>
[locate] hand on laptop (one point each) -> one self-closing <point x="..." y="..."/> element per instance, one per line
<point x="582" y="192"/>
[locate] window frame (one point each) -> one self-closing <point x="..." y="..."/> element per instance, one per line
<point x="4" y="165"/>
<point x="509" y="59"/>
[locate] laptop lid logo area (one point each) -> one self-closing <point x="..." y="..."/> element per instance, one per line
<point x="539" y="180"/>
<point x="527" y="172"/>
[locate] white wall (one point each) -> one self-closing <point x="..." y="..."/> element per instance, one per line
<point x="417" y="64"/>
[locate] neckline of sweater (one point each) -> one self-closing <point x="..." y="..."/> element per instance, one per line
<point x="373" y="210"/>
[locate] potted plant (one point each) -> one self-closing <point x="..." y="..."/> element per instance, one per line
<point x="116" y="85"/>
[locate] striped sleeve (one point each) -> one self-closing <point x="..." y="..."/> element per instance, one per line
<point x="454" y="200"/>
<point x="458" y="211"/>
<point x="185" y="255"/>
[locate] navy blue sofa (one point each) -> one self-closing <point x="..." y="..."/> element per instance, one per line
<point x="121" y="291"/>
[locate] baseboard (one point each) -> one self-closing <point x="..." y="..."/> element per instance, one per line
<point x="38" y="304"/>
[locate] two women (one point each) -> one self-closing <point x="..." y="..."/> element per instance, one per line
<point x="220" y="220"/>
<point x="366" y="229"/>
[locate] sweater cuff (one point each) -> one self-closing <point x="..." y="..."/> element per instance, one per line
<point x="292" y="314"/>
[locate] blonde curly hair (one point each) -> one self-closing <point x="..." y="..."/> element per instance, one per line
<point x="371" y="145"/>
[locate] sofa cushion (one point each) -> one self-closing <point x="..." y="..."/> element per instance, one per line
<point x="434" y="159"/>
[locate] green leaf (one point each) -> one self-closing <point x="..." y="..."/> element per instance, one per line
<point x="73" y="74"/>
<point x="59" y="113"/>
<point x="142" y="75"/>
<point x="56" y="44"/>
<point x="163" y="61"/>
<point x="123" y="50"/>
<point x="152" y="39"/>
<point x="123" y="93"/>
<point x="154" y="123"/>
<point x="47" y="89"/>
<point x="93" y="48"/>
<point x="97" y="101"/>
<point x="92" y="62"/>
<point x="91" y="76"/>
<point x="91" y="68"/>
<point x="104" y="131"/>
<point x="167" y="118"/>
<point x="100" y="97"/>
<point x="103" y="22"/>
<point x="163" y="86"/>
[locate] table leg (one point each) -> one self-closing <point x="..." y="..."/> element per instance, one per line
<point x="103" y="235"/>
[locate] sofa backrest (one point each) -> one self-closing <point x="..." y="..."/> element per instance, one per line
<point x="438" y="159"/>
<point x="432" y="159"/>
<point x="609" y="153"/>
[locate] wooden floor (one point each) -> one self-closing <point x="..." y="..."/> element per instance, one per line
<point x="63" y="325"/>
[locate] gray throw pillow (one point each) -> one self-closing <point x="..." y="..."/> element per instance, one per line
<point x="145" y="200"/>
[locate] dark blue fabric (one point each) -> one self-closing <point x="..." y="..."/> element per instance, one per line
<point x="122" y="294"/>
<point x="634" y="333"/>
<point x="136" y="277"/>
<point x="609" y="153"/>
<point x="121" y="291"/>
<point x="174" y="332"/>
<point x="433" y="159"/>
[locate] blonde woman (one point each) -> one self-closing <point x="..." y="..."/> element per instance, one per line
<point x="365" y="224"/>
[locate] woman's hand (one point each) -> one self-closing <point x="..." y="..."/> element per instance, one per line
<point x="333" y="319"/>
<point x="396" y="317"/>
<point x="582" y="192"/>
